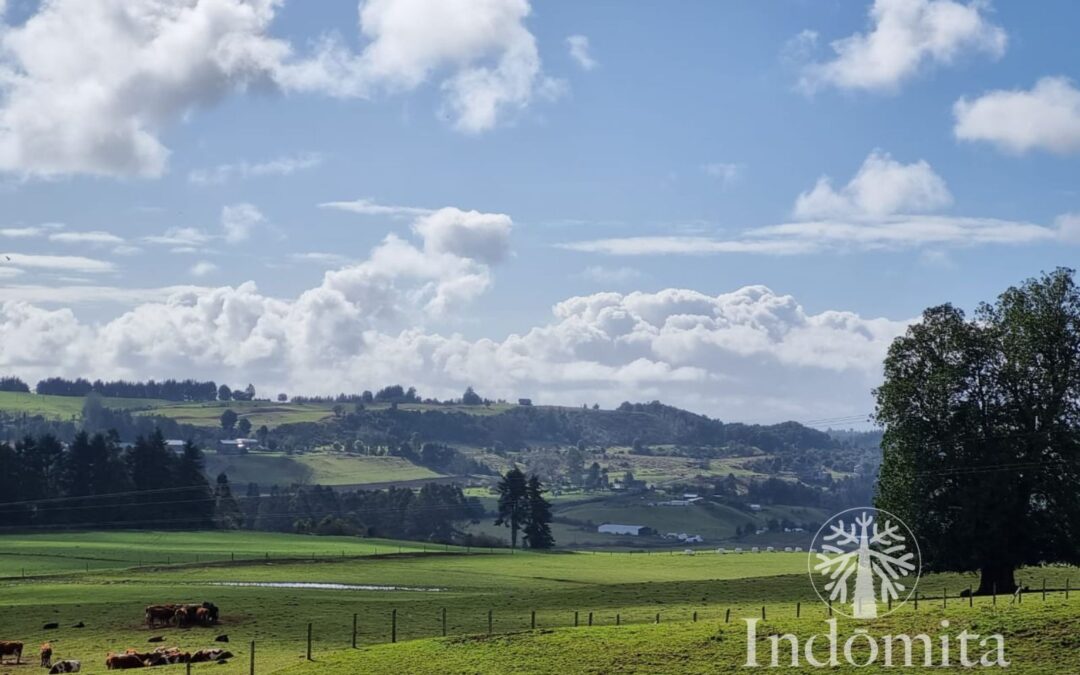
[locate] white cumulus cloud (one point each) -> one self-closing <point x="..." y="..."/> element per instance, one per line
<point x="89" y="87"/>
<point x="881" y="187"/>
<point x="1046" y="117"/>
<point x="903" y="37"/>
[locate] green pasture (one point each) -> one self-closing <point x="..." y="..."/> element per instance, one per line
<point x="1039" y="639"/>
<point x="418" y="584"/>
<point x="323" y="468"/>
<point x="65" y="407"/>
<point x="259" y="413"/>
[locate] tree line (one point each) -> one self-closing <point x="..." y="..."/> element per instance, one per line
<point x="97" y="482"/>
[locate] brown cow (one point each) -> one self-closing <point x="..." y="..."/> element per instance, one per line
<point x="202" y="616"/>
<point x="182" y="617"/>
<point x="46" y="655"/>
<point x="123" y="661"/>
<point x="11" y="649"/>
<point x="159" y="614"/>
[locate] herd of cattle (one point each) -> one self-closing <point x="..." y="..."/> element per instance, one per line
<point x="181" y="616"/>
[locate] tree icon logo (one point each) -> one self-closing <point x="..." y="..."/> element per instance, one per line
<point x="863" y="560"/>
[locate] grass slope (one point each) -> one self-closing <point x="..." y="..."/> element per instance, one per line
<point x="1039" y="639"/>
<point x="65" y="407"/>
<point x="324" y="468"/>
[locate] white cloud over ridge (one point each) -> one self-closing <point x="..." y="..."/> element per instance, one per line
<point x="1045" y="118"/>
<point x="905" y="36"/>
<point x="88" y="87"/>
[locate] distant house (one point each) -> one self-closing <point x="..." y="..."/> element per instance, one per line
<point x="680" y="502"/>
<point x="237" y="446"/>
<point x="175" y="445"/>
<point x="632" y="530"/>
<point x="524" y="401"/>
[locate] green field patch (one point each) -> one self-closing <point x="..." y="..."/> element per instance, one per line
<point x="322" y="468"/>
<point x="66" y="407"/>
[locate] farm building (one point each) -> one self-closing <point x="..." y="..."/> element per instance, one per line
<point x="633" y="530"/>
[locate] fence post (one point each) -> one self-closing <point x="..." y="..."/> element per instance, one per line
<point x="489" y="622"/>
<point x="234" y="556"/>
<point x="944" y="597"/>
<point x="1066" y="588"/>
<point x="1044" y="589"/>
<point x="309" y="642"/>
<point x="695" y="616"/>
<point x="916" y="601"/>
<point x="727" y="615"/>
<point x="763" y="612"/>
<point x="618" y="619"/>
<point x="971" y="598"/>
<point x="354" y="631"/>
<point x="658" y="617"/>
<point x="532" y="621"/>
<point x="798" y="609"/>
<point x="251" y="661"/>
<point x="575" y="619"/>
<point x="890" y="603"/>
<point x="830" y="604"/>
<point x="590" y="618"/>
<point x="444" y="622"/>
<point x="393" y="625"/>
<point x="188" y="667"/>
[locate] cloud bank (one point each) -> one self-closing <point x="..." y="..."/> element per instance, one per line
<point x="749" y="354"/>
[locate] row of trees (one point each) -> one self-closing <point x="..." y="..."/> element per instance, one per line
<point x="167" y="390"/>
<point x="97" y="483"/>
<point x="431" y="513"/>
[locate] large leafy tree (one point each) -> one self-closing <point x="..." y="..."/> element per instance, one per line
<point x="982" y="432"/>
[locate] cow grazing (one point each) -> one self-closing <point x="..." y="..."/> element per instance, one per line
<point x="11" y="649"/>
<point x="46" y="655"/>
<point x="157" y="638"/>
<point x="213" y="609"/>
<point x="123" y="661"/>
<point x="50" y="626"/>
<point x="65" y="667"/>
<point x="221" y="638"/>
<point x="202" y="616"/>
<point x="79" y="625"/>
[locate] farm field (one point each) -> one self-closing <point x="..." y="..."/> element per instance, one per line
<point x="324" y="468"/>
<point x="418" y="584"/>
<point x="1039" y="639"/>
<point x="65" y="407"/>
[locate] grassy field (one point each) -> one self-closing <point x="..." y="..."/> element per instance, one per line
<point x="1039" y="639"/>
<point x="65" y="407"/>
<point x="324" y="468"/>
<point x="419" y="583"/>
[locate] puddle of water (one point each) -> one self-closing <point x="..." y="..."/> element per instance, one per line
<point x="321" y="586"/>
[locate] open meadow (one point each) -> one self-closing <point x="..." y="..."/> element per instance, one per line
<point x="278" y="584"/>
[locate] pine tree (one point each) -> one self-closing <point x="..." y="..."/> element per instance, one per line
<point x="513" y="503"/>
<point x="228" y="512"/>
<point x="538" y="528"/>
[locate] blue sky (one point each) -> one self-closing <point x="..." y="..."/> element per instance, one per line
<point x="637" y="150"/>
